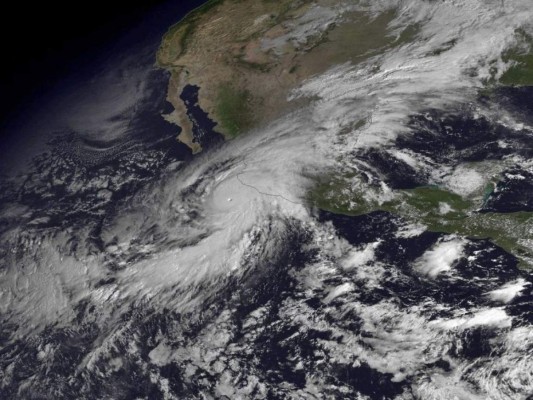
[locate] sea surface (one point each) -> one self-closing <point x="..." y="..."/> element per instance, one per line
<point x="103" y="91"/>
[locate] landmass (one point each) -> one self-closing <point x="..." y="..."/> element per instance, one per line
<point x="247" y="56"/>
<point x="437" y="210"/>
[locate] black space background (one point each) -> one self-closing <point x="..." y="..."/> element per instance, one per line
<point x="41" y="41"/>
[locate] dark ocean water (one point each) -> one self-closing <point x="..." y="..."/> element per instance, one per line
<point x="100" y="241"/>
<point x="72" y="86"/>
<point x="204" y="131"/>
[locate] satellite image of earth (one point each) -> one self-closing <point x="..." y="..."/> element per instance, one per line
<point x="278" y="199"/>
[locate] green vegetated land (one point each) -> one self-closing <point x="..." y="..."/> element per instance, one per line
<point x="440" y="211"/>
<point x="436" y="208"/>
<point x="233" y="109"/>
<point x="521" y="72"/>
